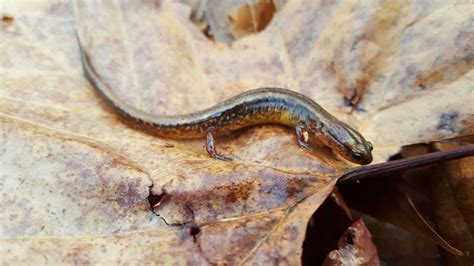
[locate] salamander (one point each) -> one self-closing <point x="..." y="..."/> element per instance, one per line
<point x="258" y="106"/>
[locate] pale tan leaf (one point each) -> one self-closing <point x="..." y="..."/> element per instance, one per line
<point x="74" y="177"/>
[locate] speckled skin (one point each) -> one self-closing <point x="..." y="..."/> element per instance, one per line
<point x="260" y="106"/>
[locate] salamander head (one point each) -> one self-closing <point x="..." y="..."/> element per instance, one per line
<point x="349" y="143"/>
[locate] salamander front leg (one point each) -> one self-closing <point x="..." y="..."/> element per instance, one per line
<point x="302" y="137"/>
<point x="211" y="148"/>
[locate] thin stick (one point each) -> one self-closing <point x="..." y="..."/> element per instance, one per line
<point x="383" y="169"/>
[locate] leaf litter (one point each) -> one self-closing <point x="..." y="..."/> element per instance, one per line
<point x="76" y="179"/>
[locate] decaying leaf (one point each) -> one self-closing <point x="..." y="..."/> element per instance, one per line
<point x="453" y="205"/>
<point x="432" y="201"/>
<point x="388" y="201"/>
<point x="75" y="180"/>
<point x="355" y="248"/>
<point x="325" y="228"/>
<point x="396" y="246"/>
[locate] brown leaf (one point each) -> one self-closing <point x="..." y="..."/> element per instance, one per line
<point x="76" y="180"/>
<point x="249" y="19"/>
<point x="396" y="246"/>
<point x="332" y="237"/>
<point x="408" y="206"/>
<point x="453" y="203"/>
<point x="355" y="248"/>
<point x="325" y="228"/>
<point x="389" y="200"/>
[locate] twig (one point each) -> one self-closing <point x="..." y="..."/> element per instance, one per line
<point x="387" y="168"/>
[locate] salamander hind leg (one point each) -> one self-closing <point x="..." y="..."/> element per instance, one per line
<point x="211" y="148"/>
<point x="302" y="137"/>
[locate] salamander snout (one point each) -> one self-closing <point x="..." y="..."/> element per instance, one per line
<point x="361" y="153"/>
<point x="348" y="142"/>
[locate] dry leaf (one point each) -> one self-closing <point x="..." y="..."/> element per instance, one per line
<point x="432" y="201"/>
<point x="396" y="246"/>
<point x="325" y="228"/>
<point x="355" y="248"/>
<point x="387" y="200"/>
<point x="453" y="204"/>
<point x="75" y="179"/>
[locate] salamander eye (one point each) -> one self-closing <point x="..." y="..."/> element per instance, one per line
<point x="369" y="144"/>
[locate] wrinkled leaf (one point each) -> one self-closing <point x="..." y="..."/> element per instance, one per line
<point x="453" y="204"/>
<point x="74" y="177"/>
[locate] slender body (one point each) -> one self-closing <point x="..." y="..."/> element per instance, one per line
<point x="260" y="106"/>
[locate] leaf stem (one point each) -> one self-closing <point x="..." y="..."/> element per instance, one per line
<point x="388" y="168"/>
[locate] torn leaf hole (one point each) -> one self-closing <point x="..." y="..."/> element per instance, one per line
<point x="194" y="230"/>
<point x="349" y="238"/>
<point x="155" y="200"/>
